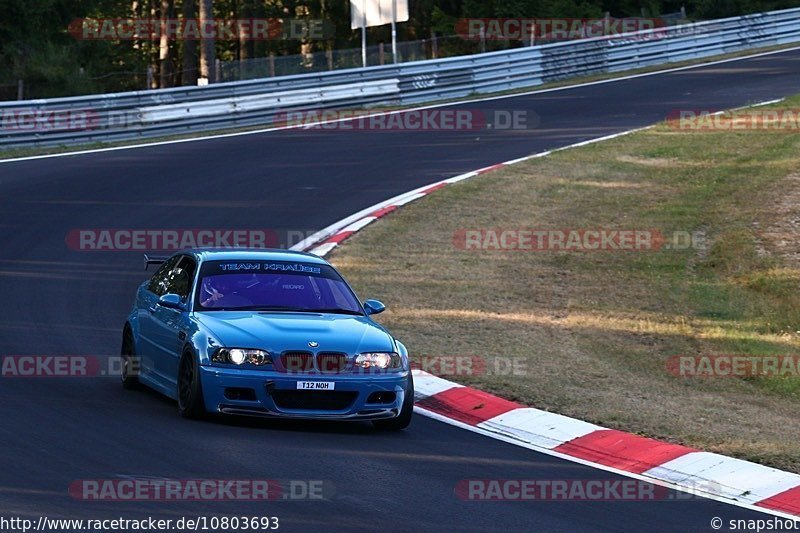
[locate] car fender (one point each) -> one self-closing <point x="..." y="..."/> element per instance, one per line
<point x="132" y="324"/>
<point x="403" y="351"/>
<point x="202" y="342"/>
<point x="133" y="317"/>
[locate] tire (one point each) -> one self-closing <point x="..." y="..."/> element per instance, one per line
<point x="190" y="391"/>
<point x="130" y="363"/>
<point x="406" y="411"/>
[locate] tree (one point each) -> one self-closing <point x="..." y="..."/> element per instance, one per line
<point x="189" y="70"/>
<point x="166" y="53"/>
<point x="208" y="53"/>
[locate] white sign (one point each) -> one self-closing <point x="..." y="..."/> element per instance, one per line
<point x="378" y="12"/>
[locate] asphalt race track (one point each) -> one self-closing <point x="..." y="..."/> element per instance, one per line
<point x="56" y="300"/>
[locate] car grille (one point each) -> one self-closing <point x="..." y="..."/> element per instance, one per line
<point x="331" y="362"/>
<point x="294" y="362"/>
<point x="313" y="400"/>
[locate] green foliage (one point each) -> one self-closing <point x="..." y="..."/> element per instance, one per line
<point x="36" y="47"/>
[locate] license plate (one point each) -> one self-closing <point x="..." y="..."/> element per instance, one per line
<point x="315" y="385"/>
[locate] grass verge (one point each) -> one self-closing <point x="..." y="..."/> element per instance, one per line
<point x="596" y="330"/>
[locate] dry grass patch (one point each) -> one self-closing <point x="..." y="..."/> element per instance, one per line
<point x="596" y="329"/>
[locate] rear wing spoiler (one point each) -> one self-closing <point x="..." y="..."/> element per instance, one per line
<point x="154" y="260"/>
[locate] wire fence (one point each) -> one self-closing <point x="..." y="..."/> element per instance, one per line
<point x="380" y="54"/>
<point x="315" y="58"/>
<point x="436" y="47"/>
<point x="273" y="65"/>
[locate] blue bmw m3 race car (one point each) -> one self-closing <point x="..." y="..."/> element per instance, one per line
<point x="271" y="333"/>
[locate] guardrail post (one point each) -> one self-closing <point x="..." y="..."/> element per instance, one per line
<point x="272" y="64"/>
<point x="149" y="77"/>
<point x="434" y="45"/>
<point x="217" y="70"/>
<point x="20" y="90"/>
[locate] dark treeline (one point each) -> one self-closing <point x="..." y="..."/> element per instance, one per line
<point x="37" y="47"/>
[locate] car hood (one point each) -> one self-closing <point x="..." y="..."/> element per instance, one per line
<point x="278" y="332"/>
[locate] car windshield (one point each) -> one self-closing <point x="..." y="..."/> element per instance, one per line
<point x="273" y="286"/>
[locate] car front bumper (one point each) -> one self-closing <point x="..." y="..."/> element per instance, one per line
<point x="275" y="394"/>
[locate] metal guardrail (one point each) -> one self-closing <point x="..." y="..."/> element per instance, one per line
<point x="147" y="114"/>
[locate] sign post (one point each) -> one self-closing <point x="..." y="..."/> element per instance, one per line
<point x="364" y="33"/>
<point x="394" y="31"/>
<point x="367" y="13"/>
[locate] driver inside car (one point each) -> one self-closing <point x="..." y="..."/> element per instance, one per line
<point x="212" y="294"/>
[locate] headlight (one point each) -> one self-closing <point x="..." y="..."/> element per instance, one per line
<point x="239" y="356"/>
<point x="381" y="360"/>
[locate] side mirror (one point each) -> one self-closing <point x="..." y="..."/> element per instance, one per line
<point x="171" y="301"/>
<point x="373" y="307"/>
